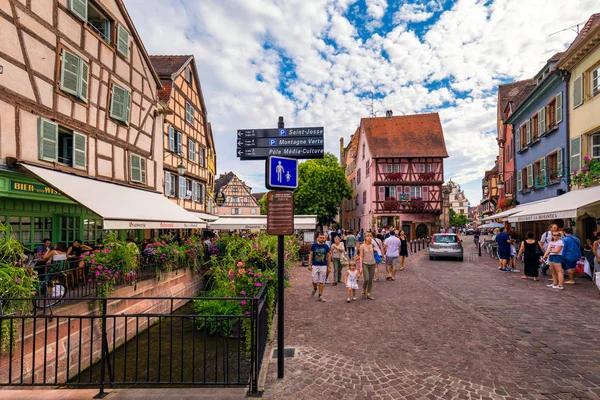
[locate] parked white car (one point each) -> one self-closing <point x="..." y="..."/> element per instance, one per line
<point x="446" y="245"/>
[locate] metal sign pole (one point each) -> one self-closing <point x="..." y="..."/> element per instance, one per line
<point x="280" y="289"/>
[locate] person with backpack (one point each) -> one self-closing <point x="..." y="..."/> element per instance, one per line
<point x="571" y="254"/>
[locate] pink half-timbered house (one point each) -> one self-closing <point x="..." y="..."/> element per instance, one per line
<point x="399" y="164"/>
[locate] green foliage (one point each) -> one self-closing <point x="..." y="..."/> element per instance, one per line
<point x="588" y="174"/>
<point x="322" y="185"/>
<point x="458" y="219"/>
<point x="16" y="280"/>
<point x="263" y="205"/>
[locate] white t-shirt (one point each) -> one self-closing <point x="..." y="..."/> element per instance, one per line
<point x="554" y="245"/>
<point x="393" y="246"/>
<point x="546" y="239"/>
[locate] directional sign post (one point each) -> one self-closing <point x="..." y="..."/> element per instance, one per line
<point x="259" y="144"/>
<point x="282" y="173"/>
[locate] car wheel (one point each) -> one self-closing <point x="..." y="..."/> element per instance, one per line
<point x="431" y="258"/>
<point x="460" y="259"/>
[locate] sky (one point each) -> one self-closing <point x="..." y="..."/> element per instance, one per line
<point x="332" y="62"/>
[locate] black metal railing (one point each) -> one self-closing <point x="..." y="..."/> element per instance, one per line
<point x="126" y="342"/>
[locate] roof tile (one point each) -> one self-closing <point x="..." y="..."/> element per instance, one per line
<point x="417" y="135"/>
<point x="168" y="65"/>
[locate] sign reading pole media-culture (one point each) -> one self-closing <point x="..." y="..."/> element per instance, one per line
<point x="259" y="144"/>
<point x="280" y="213"/>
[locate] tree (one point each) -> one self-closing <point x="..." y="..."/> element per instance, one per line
<point x="322" y="185"/>
<point x="263" y="205"/>
<point x="458" y="219"/>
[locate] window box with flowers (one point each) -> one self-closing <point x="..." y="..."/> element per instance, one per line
<point x="416" y="203"/>
<point x="390" y="204"/>
<point x="395" y="176"/>
<point x="427" y="176"/>
<point x="588" y="174"/>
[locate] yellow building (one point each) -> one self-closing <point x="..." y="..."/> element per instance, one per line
<point x="582" y="61"/>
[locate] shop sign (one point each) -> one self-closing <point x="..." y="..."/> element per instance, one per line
<point x="110" y="224"/>
<point x="539" y="217"/>
<point x="36" y="188"/>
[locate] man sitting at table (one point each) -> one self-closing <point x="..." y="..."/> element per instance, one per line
<point x="43" y="248"/>
<point x="74" y="252"/>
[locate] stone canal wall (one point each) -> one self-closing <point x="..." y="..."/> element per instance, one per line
<point x="72" y="335"/>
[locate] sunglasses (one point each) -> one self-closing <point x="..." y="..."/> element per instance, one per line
<point x="555" y="235"/>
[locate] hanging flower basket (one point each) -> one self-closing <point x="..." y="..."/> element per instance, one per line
<point x="395" y="176"/>
<point x="427" y="176"/>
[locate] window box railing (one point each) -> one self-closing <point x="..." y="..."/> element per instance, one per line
<point x="427" y="176"/>
<point x="393" y="176"/>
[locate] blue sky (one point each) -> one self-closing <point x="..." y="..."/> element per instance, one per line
<point x="315" y="62"/>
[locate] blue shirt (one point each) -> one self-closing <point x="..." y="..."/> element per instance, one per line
<point x="572" y="248"/>
<point x="502" y="239"/>
<point x="319" y="254"/>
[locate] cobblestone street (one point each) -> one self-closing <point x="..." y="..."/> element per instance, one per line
<point x="443" y="329"/>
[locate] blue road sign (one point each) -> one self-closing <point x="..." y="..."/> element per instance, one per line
<point x="282" y="132"/>
<point x="282" y="173"/>
<point x="272" y="142"/>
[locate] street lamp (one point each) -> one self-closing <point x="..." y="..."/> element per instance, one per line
<point x="500" y="184"/>
<point x="181" y="168"/>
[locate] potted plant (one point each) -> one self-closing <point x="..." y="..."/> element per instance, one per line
<point x="394" y="176"/>
<point x="390" y="204"/>
<point x="588" y="174"/>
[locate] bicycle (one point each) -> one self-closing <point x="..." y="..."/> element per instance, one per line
<point x="50" y="290"/>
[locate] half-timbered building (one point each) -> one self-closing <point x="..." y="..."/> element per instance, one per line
<point x="80" y="124"/>
<point x="238" y="198"/>
<point x="188" y="147"/>
<point x="399" y="173"/>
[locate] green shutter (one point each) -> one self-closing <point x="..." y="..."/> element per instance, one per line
<point x="47" y="140"/>
<point x="578" y="92"/>
<point x="559" y="162"/>
<point x="122" y="41"/>
<point x="119" y="104"/>
<point x="542" y="121"/>
<point x="127" y="106"/>
<point x="543" y="175"/>
<point x="79" y="8"/>
<point x="167" y="183"/>
<point x="69" y="73"/>
<point x="134" y="165"/>
<point x="528" y="134"/>
<point x="529" y="176"/>
<point x="518" y="139"/>
<point x="519" y="180"/>
<point x="79" y="150"/>
<point x="559" y="107"/>
<point x="143" y="170"/>
<point x="575" y="154"/>
<point x="84" y="79"/>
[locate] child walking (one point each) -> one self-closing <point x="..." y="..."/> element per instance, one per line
<point x="351" y="280"/>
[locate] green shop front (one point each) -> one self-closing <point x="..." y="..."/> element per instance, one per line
<point x="39" y="203"/>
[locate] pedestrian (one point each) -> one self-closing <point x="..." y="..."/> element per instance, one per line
<point x="319" y="260"/>
<point x="391" y="246"/>
<point x="337" y="252"/>
<point x="350" y="242"/>
<point x="571" y="254"/>
<point x="379" y="249"/>
<point x="596" y="249"/>
<point x="403" y="249"/>
<point x="351" y="280"/>
<point x="476" y="237"/>
<point x="513" y="256"/>
<point x="531" y="252"/>
<point x="545" y="241"/>
<point x="503" y="240"/>
<point x="554" y="255"/>
<point x="368" y="263"/>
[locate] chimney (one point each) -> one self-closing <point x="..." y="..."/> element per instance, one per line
<point x="342" y="156"/>
<point x="388" y="114"/>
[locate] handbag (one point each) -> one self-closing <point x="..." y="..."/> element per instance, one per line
<point x="378" y="258"/>
<point x="344" y="261"/>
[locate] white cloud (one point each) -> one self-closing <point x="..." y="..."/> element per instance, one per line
<point x="452" y="67"/>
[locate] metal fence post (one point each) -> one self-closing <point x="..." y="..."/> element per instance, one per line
<point x="103" y="356"/>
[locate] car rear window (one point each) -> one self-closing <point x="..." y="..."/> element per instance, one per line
<point x="445" y="239"/>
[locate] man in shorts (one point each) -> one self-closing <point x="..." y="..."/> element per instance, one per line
<point x="319" y="263"/>
<point x="391" y="247"/>
<point x="503" y="240"/>
<point x="571" y="254"/>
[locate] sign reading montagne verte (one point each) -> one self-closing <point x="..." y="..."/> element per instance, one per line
<point x="259" y="144"/>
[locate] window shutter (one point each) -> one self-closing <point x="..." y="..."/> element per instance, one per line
<point x="182" y="187"/>
<point x="194" y="191"/>
<point x="79" y="150"/>
<point x="425" y="193"/>
<point x="84" y="85"/>
<point x="47" y="140"/>
<point x="135" y="170"/>
<point x="578" y="92"/>
<point x="167" y="183"/>
<point x="69" y="73"/>
<point x="541" y="121"/>
<point x="79" y="8"/>
<point x="407" y="191"/>
<point x="190" y="150"/>
<point x="122" y="41"/>
<point x="559" y="107"/>
<point x="381" y="193"/>
<point x="179" y="143"/>
<point x="119" y="104"/>
<point x="143" y="170"/>
<point x="518" y="139"/>
<point x="528" y="131"/>
<point x="575" y="156"/>
<point x="529" y="176"/>
<point x="520" y="180"/>
<point x="171" y="138"/>
<point x="559" y="162"/>
<point x="203" y="194"/>
<point x="543" y="174"/>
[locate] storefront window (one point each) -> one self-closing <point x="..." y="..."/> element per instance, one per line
<point x="69" y="229"/>
<point x="93" y="232"/>
<point x="42" y="229"/>
<point x="29" y="231"/>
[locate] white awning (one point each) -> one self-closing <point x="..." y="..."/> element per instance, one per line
<point x="565" y="206"/>
<point x="301" y="222"/>
<point x="514" y="210"/>
<point x="120" y="207"/>
<point x="206" y="217"/>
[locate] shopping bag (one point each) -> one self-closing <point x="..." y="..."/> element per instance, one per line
<point x="344" y="261"/>
<point x="598" y="280"/>
<point x="579" y="268"/>
<point x="586" y="268"/>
